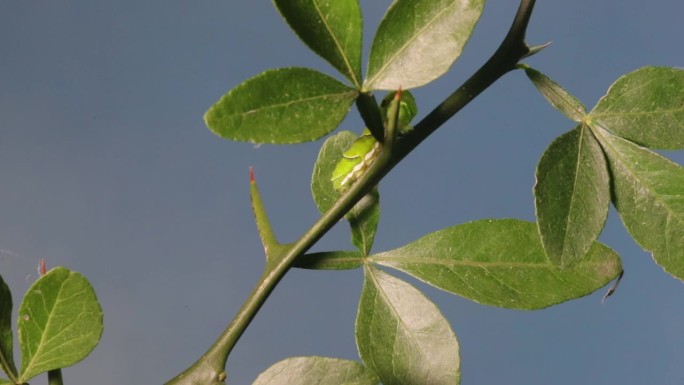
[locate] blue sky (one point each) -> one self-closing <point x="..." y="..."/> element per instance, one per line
<point x="107" y="168"/>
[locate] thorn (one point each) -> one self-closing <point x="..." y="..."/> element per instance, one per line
<point x="252" y="179"/>
<point x="42" y="268"/>
<point x="397" y="96"/>
<point x="614" y="287"/>
<point x="536" y="48"/>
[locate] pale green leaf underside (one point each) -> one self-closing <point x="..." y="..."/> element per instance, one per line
<point x="60" y="322"/>
<point x="6" y="335"/>
<point x="645" y="106"/>
<point x="331" y="28"/>
<point x="501" y="263"/>
<point x="316" y="371"/>
<point x="418" y="40"/>
<point x="648" y="193"/>
<point x="402" y="336"/>
<point x="572" y="195"/>
<point x="557" y="96"/>
<point x="281" y="106"/>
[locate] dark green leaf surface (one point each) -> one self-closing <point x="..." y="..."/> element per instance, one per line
<point x="60" y="322"/>
<point x="418" y="40"/>
<point x="316" y="371"/>
<point x="561" y="99"/>
<point x="402" y="336"/>
<point x="363" y="218"/>
<point x="501" y="263"/>
<point x="6" y="336"/>
<point x="330" y="260"/>
<point x="331" y="28"/>
<point x="281" y="106"/>
<point x="648" y="193"/>
<point x="572" y="195"/>
<point x="645" y="106"/>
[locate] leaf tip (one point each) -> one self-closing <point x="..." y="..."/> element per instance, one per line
<point x="612" y="289"/>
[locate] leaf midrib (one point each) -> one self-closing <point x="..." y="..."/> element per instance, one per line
<point x="41" y="344"/>
<point x="338" y="46"/>
<point x="396" y="314"/>
<point x="652" y="193"/>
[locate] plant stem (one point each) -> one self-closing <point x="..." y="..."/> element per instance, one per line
<point x="209" y="369"/>
<point x="210" y="366"/>
<point x="55" y="377"/>
<point x="370" y="113"/>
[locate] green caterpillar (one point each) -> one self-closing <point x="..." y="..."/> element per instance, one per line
<point x="361" y="154"/>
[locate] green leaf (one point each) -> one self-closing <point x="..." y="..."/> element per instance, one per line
<point x="363" y="218"/>
<point x="408" y="109"/>
<point x="331" y="28"/>
<point x="646" y="107"/>
<point x="3" y="381"/>
<point x="572" y="195"/>
<point x="501" y="263"/>
<point x="6" y="336"/>
<point x="402" y="336"/>
<point x="330" y="260"/>
<point x="281" y="106"/>
<point x="418" y="40"/>
<point x="331" y="152"/>
<point x="648" y="193"/>
<point x="60" y="322"/>
<point x="316" y="371"/>
<point x="556" y="95"/>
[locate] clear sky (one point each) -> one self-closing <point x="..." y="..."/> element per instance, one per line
<point x="107" y="168"/>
